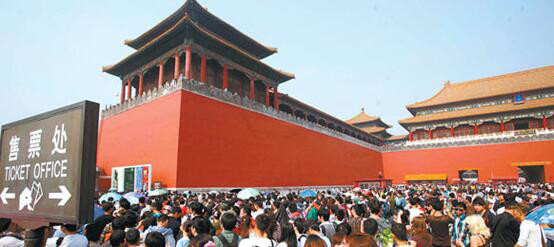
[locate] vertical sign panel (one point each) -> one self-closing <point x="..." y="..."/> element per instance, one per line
<point x="47" y="171"/>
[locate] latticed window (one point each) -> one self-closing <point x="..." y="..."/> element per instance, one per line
<point x="489" y="127"/>
<point x="441" y="133"/>
<point x="463" y="130"/>
<point x="421" y="135"/>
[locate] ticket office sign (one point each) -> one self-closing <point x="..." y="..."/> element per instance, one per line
<point x="47" y="166"/>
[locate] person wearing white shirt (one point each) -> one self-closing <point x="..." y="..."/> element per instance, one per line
<point x="315" y="229"/>
<point x="9" y="237"/>
<point x="260" y="237"/>
<point x="72" y="239"/>
<point x="530" y="235"/>
<point x="259" y="210"/>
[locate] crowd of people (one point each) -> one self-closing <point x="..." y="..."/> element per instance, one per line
<point x="410" y="215"/>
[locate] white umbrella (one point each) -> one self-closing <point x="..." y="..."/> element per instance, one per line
<point x="246" y="194"/>
<point x="157" y="192"/>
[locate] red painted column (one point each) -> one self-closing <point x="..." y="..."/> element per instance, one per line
<point x="176" y="71"/>
<point x="275" y="98"/>
<point x="161" y="77"/>
<point x="452" y="133"/>
<point x="502" y="128"/>
<point x="475" y="129"/>
<point x="122" y="92"/>
<point x="252" y="96"/>
<point x="266" y="95"/>
<point x="430" y="132"/>
<point x="411" y="136"/>
<point x="225" y="76"/>
<point x="544" y="122"/>
<point x="128" y="89"/>
<point x="141" y="80"/>
<point x="188" y="59"/>
<point x="203" y="69"/>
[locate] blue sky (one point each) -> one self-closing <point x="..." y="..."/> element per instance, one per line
<point x="380" y="55"/>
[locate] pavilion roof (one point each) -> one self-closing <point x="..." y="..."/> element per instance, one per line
<point x="397" y="137"/>
<point x="506" y="84"/>
<point x="362" y="117"/>
<point x="211" y="22"/>
<point x="186" y="28"/>
<point x="493" y="109"/>
<point x="373" y="129"/>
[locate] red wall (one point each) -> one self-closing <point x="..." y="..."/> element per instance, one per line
<point x="196" y="142"/>
<point x="491" y="160"/>
<point x="147" y="134"/>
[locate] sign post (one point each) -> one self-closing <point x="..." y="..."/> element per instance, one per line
<point x="47" y="166"/>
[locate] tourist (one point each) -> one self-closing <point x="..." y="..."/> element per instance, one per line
<point x="92" y="233"/>
<point x="227" y="237"/>
<point x="314" y="241"/>
<point x="479" y="233"/>
<point x="414" y="208"/>
<point x="294" y="214"/>
<point x="400" y="236"/>
<point x="419" y="233"/>
<point x="154" y="239"/>
<point x="107" y="217"/>
<point x="505" y="228"/>
<point x="174" y="220"/>
<point x="314" y="228"/>
<point x="370" y="227"/>
<point x="246" y="222"/>
<point x="339" y="239"/>
<point x="132" y="238"/>
<point x="384" y="234"/>
<point x="531" y="234"/>
<point x="360" y="240"/>
<point x="288" y="236"/>
<point x="258" y="209"/>
<point x="459" y="236"/>
<point x="358" y="212"/>
<point x="481" y="208"/>
<point x="300" y="230"/>
<point x="9" y="237"/>
<point x="327" y="228"/>
<point x="438" y="222"/>
<point x="117" y="238"/>
<point x="72" y="239"/>
<point x="260" y="237"/>
<point x="186" y="234"/>
<point x="162" y="227"/>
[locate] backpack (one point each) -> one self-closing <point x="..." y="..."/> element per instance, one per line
<point x="234" y="241"/>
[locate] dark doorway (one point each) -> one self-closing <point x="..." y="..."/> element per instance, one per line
<point x="532" y="174"/>
<point x="521" y="125"/>
<point x="468" y="175"/>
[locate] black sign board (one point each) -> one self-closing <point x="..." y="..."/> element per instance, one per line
<point x="48" y="166"/>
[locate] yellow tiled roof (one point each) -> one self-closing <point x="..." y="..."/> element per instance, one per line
<point x="361" y="118"/>
<point x="491" y="86"/>
<point x="530" y="104"/>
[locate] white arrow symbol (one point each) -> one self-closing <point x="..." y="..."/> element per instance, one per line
<point x="5" y="195"/>
<point x="64" y="195"/>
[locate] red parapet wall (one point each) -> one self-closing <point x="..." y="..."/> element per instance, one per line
<point x="492" y="161"/>
<point x="147" y="134"/>
<point x="194" y="141"/>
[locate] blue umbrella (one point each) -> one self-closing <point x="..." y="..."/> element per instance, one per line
<point x="105" y="197"/>
<point x="308" y="193"/>
<point x="133" y="197"/>
<point x="542" y="215"/>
